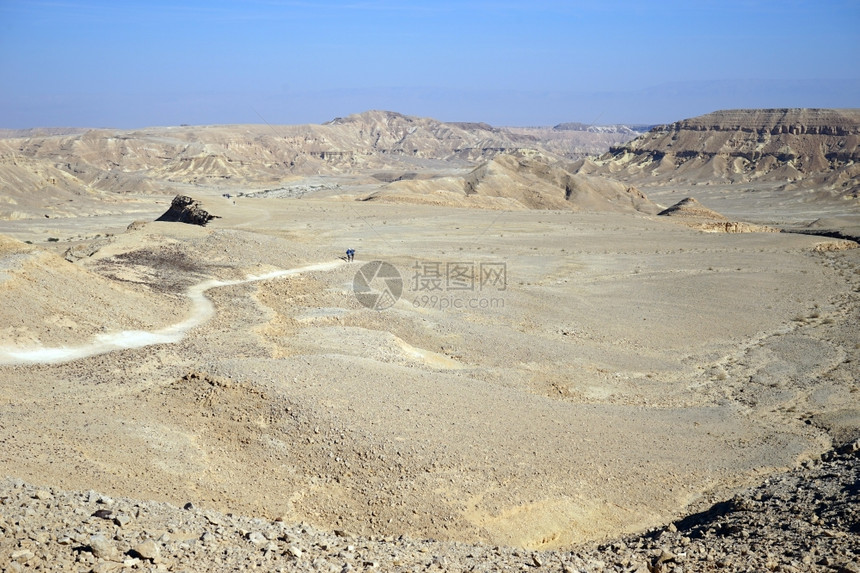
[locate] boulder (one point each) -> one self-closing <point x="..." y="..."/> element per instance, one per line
<point x="184" y="209"/>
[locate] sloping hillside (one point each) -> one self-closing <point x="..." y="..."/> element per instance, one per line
<point x="58" y="303"/>
<point x="691" y="213"/>
<point x="522" y="181"/>
<point x="690" y="208"/>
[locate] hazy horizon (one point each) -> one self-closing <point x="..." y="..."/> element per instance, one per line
<point x="134" y="65"/>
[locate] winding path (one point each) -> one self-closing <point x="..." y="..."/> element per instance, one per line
<point x="202" y="310"/>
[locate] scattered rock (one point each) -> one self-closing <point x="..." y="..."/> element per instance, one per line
<point x="106" y="567"/>
<point x="769" y="527"/>
<point x="149" y="549"/>
<point x="257" y="538"/>
<point x="665" y="556"/>
<point x="22" y="555"/>
<point x="102" y="548"/>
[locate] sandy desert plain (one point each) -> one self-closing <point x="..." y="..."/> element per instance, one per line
<point x="563" y="369"/>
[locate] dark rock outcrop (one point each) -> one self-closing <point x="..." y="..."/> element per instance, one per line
<point x="184" y="209"/>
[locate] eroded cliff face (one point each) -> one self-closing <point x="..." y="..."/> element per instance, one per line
<point x="802" y="147"/>
<point x="106" y="159"/>
<point x="82" y="170"/>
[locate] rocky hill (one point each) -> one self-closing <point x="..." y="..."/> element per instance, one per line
<point x="691" y="213"/>
<point x="690" y="208"/>
<point x="797" y="147"/>
<point x="519" y="181"/>
<point x="393" y="134"/>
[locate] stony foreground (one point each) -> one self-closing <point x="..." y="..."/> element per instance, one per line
<point x="804" y="520"/>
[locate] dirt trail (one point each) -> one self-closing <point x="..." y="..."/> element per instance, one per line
<point x="201" y="311"/>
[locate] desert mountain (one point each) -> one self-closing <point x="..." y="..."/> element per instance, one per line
<point x="389" y="133"/>
<point x="77" y="172"/>
<point x="797" y="147"/>
<point x="519" y="181"/>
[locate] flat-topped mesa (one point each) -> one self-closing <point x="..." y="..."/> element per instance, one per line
<point x="795" y="121"/>
<point x="803" y="147"/>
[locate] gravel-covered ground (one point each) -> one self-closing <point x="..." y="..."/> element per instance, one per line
<point x="805" y="520"/>
<point x="637" y="373"/>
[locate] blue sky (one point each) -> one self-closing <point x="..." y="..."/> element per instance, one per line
<point x="541" y="62"/>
